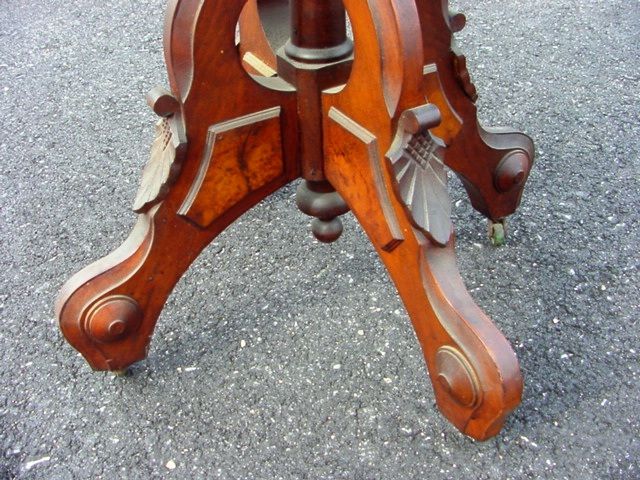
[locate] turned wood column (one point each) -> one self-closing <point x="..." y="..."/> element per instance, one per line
<point x="318" y="31"/>
<point x="316" y="57"/>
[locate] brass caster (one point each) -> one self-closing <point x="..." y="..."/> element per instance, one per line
<point x="497" y="232"/>
<point x="122" y="373"/>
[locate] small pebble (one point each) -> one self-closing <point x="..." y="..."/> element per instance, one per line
<point x="171" y="465"/>
<point x="33" y="463"/>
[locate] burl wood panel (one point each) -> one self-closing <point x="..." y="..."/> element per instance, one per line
<point x="247" y="153"/>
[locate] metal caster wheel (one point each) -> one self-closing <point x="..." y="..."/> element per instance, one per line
<point x="497" y="232"/>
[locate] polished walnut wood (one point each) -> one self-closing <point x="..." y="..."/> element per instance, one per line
<point x="370" y="125"/>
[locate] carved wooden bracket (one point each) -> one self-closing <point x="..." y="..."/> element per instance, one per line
<point x="168" y="150"/>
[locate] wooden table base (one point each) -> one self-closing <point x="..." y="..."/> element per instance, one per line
<point x="369" y="125"/>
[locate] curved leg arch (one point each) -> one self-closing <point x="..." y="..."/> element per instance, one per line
<point x="493" y="164"/>
<point x="387" y="164"/>
<point x="210" y="162"/>
<point x="474" y="371"/>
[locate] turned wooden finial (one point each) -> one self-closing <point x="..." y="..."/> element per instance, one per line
<point x="320" y="200"/>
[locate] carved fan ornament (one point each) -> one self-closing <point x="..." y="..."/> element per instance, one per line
<point x="421" y="178"/>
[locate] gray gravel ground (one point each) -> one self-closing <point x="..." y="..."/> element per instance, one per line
<point x="74" y="135"/>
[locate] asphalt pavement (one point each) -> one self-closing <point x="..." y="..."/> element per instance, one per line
<point x="277" y="357"/>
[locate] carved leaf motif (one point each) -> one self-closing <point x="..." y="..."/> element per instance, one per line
<point x="422" y="185"/>
<point x="157" y="174"/>
<point x="456" y="22"/>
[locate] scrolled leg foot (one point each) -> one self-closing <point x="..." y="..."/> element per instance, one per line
<point x="105" y="310"/>
<point x="475" y="372"/>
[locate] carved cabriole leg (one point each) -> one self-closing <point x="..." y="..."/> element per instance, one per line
<point x="493" y="164"/>
<point x="211" y="161"/>
<point x="108" y="311"/>
<point x="473" y="369"/>
<point x="387" y="167"/>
